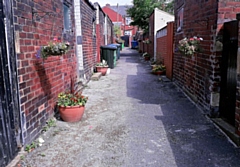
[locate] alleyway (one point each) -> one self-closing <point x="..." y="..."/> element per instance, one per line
<point x="133" y="119"/>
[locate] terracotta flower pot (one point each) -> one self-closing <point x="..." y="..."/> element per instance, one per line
<point x="147" y="58"/>
<point x="71" y="113"/>
<point x="158" y="72"/>
<point x="103" y="70"/>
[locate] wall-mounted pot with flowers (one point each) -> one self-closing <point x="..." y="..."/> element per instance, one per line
<point x="53" y="48"/>
<point x="71" y="106"/>
<point x="189" y="46"/>
<point x="146" y="41"/>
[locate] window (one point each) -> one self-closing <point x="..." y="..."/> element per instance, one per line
<point x="180" y="20"/>
<point x="66" y="17"/>
<point x="128" y="33"/>
<point x="128" y="20"/>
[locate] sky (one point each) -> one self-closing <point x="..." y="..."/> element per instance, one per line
<point x="112" y="2"/>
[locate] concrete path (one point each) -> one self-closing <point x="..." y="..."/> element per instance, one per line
<point x="133" y="119"/>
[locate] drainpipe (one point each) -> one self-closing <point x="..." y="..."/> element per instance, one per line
<point x="79" y="47"/>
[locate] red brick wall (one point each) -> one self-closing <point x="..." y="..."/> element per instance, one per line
<point x="151" y="35"/>
<point x="237" y="113"/>
<point x="199" y="75"/>
<point x="165" y="48"/>
<point x="161" y="49"/>
<point x="89" y="39"/>
<point x="100" y="30"/>
<point x="41" y="81"/>
<point x="110" y="32"/>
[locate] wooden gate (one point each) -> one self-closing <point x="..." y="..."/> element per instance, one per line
<point x="229" y="72"/>
<point x="9" y="107"/>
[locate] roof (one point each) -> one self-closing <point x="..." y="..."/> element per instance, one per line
<point x="121" y="9"/>
<point x="90" y="4"/>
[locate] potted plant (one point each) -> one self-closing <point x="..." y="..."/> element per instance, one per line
<point x="71" y="106"/>
<point x="146" y="56"/>
<point x="158" y="69"/>
<point x="53" y="48"/>
<point x="102" y="67"/>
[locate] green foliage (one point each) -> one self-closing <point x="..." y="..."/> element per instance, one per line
<point x="189" y="46"/>
<point x="53" y="48"/>
<point x="22" y="157"/>
<point x="49" y="124"/>
<point x="71" y="99"/>
<point x="160" y="67"/>
<point x="102" y="64"/>
<point x="117" y="30"/>
<point x="145" y="54"/>
<point x="142" y="9"/>
<point x="31" y="146"/>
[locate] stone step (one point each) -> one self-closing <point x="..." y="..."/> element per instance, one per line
<point x="96" y="76"/>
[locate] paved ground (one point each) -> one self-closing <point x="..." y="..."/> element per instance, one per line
<point x="133" y="119"/>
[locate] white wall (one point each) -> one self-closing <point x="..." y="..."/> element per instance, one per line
<point x="160" y="20"/>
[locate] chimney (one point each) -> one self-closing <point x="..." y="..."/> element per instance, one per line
<point x="108" y="4"/>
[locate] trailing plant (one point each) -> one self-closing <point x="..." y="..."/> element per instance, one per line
<point x="102" y="64"/>
<point x="53" y="48"/>
<point x="189" y="46"/>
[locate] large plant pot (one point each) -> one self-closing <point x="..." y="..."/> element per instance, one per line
<point x="146" y="58"/>
<point x="71" y="113"/>
<point x="103" y="70"/>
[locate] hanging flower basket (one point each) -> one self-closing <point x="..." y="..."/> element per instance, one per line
<point x="53" y="48"/>
<point x="189" y="46"/>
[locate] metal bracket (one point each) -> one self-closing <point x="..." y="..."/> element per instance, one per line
<point x="36" y="15"/>
<point x="203" y="22"/>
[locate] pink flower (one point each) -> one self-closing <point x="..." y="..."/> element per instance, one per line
<point x="55" y="39"/>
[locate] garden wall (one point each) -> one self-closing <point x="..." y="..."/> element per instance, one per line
<point x="200" y="75"/>
<point x="40" y="81"/>
<point x="165" y="48"/>
<point x="89" y="38"/>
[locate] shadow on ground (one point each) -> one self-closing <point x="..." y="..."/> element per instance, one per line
<point x="193" y="139"/>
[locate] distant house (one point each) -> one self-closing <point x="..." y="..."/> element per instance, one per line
<point x="119" y="17"/>
<point x="104" y="29"/>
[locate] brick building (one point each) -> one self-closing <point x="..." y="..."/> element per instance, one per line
<point x="119" y="18"/>
<point x="209" y="77"/>
<point x="104" y="29"/>
<point x="29" y="85"/>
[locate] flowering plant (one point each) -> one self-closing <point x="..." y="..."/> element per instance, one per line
<point x="102" y="64"/>
<point x="190" y="46"/>
<point x="159" y="67"/>
<point x="53" y="48"/>
<point x="71" y="99"/>
<point x="145" y="55"/>
<point x="147" y="41"/>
